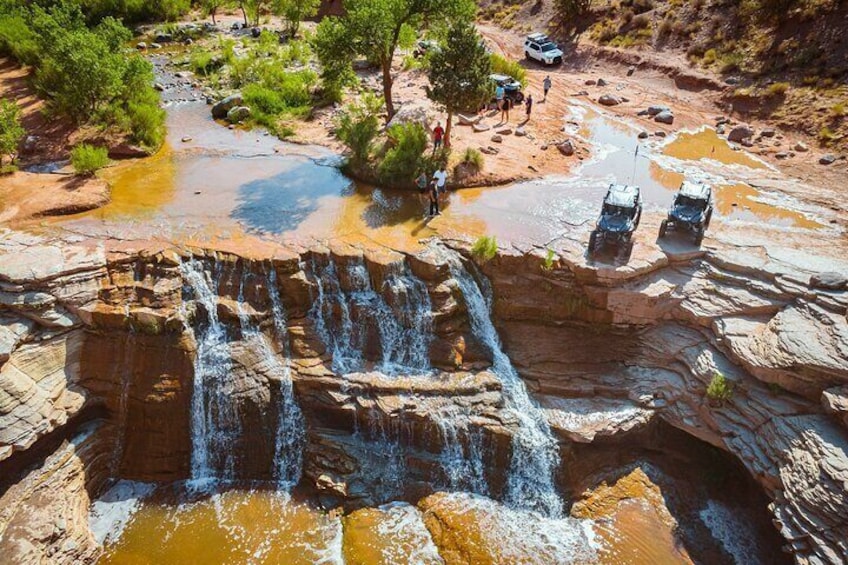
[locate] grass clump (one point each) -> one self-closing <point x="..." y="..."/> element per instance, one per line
<point x="548" y="261"/>
<point x="720" y="389"/>
<point x="485" y="248"/>
<point x="88" y="159"/>
<point x="503" y="66"/>
<point x="777" y="89"/>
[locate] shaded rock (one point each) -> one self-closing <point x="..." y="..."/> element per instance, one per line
<point x="630" y="70"/>
<point x="566" y="148"/>
<point x="739" y="133"/>
<point x="827" y="159"/>
<point x="520" y="132"/>
<point x="504" y="131"/>
<point x="156" y="46"/>
<point x="497" y="138"/>
<point x="414" y="113"/>
<point x="141" y="45"/>
<point x="768" y="132"/>
<point x="829" y="281"/>
<point x="163" y="38"/>
<point x="664" y="117"/>
<point x="590" y="82"/>
<point x="602" y="82"/>
<point x="222" y="107"/>
<point x="801" y="147"/>
<point x="660" y="133"/>
<point x="643" y="135"/>
<point x="609" y="100"/>
<point x="479" y="127"/>
<point x="654" y="110"/>
<point x="238" y="114"/>
<point x="468" y="119"/>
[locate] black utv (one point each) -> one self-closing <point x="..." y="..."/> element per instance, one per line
<point x="691" y="210"/>
<point x="619" y="218"/>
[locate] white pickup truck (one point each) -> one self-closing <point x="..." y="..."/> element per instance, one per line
<point x="538" y="47"/>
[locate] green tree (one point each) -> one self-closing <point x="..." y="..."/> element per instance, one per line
<point x="252" y="9"/>
<point x="459" y="72"/>
<point x="373" y="29"/>
<point x="358" y="126"/>
<point x="211" y="7"/>
<point x="294" y="12"/>
<point x="335" y="53"/>
<point x="11" y="130"/>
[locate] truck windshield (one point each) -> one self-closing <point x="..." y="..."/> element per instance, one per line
<point x="548" y="47"/>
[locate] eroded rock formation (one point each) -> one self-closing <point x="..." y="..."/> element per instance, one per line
<point x="606" y="352"/>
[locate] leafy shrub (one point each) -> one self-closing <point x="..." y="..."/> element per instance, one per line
<point x="548" y="262"/>
<point x="17" y="39"/>
<point x="485" y="248"/>
<point x="826" y="135"/>
<point x="503" y="66"/>
<point x="357" y="127"/>
<point x="473" y="157"/>
<point x="720" y="389"/>
<point x="88" y="159"/>
<point x="146" y="123"/>
<point x="11" y="130"/>
<point x="407" y="143"/>
<point x="205" y="63"/>
<point x="838" y="110"/>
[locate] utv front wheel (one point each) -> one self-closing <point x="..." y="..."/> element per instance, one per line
<point x="593" y="241"/>
<point x="708" y="218"/>
<point x="699" y="236"/>
<point x="663" y="228"/>
<point x="628" y="250"/>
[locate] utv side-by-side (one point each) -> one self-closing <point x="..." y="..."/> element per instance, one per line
<point x="619" y="218"/>
<point x="691" y="210"/>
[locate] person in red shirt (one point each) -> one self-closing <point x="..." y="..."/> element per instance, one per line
<point x="438" y="134"/>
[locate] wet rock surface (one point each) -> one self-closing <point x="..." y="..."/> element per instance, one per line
<point x="607" y="350"/>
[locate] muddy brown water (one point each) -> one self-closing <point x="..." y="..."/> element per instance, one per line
<point x="225" y="182"/>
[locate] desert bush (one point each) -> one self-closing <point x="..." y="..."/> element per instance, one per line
<point x="720" y="389"/>
<point x="88" y="159"/>
<point x="503" y="66"/>
<point x="406" y="146"/>
<point x="357" y="127"/>
<point x="826" y="135"/>
<point x="485" y="248"/>
<point x="473" y="157"/>
<point x="838" y="110"/>
<point x="11" y="130"/>
<point x="204" y="62"/>
<point x="548" y="261"/>
<point x="777" y="89"/>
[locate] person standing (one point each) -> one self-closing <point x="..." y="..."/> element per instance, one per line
<point x="528" y="106"/>
<point x="505" y="110"/>
<point x="438" y="135"/>
<point x="421" y="185"/>
<point x="440" y="178"/>
<point x="546" y="84"/>
<point x="434" y="199"/>
<point x="499" y="97"/>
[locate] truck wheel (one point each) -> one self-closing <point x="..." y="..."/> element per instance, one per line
<point x="663" y="228"/>
<point x="527" y="56"/>
<point x="708" y="218"/>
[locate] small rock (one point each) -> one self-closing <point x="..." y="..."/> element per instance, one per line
<point x="544" y="147"/>
<point x="739" y="133"/>
<point x="159" y="86"/>
<point x="630" y="70"/>
<point x="643" y="135"/>
<point x="566" y="148"/>
<point x="590" y="82"/>
<point x="828" y="159"/>
<point x="602" y="82"/>
<point x="747" y="142"/>
<point x="238" y="114"/>
<point x="519" y="132"/>
<point x="504" y="131"/>
<point x="664" y="117"/>
<point x="481" y="127"/>
<point x="155" y="46"/>
<point x="768" y="132"/>
<point x="141" y="45"/>
<point x="782" y="155"/>
<point x="609" y="100"/>
<point x="197" y="192"/>
<point x="732" y="81"/>
<point x="497" y="138"/>
<point x="801" y="147"/>
<point x="188" y="41"/>
<point x="220" y="110"/>
<point x="186" y="138"/>
<point x="532" y="168"/>
<point x="720" y="130"/>
<point x="164" y="38"/>
<point x="659" y="133"/>
<point x="467" y="119"/>
<point x="654" y="110"/>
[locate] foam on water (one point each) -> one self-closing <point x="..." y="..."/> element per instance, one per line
<point x="734" y="534"/>
<point x="409" y="540"/>
<point x="110" y="514"/>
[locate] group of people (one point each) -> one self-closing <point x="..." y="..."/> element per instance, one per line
<point x="432" y="189"/>
<point x="505" y="104"/>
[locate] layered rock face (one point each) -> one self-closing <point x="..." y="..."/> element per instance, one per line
<point x="391" y="382"/>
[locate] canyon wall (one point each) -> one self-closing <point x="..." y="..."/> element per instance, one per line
<point x="113" y="335"/>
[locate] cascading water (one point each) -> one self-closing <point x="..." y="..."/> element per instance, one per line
<point x="215" y="424"/>
<point x="530" y="482"/>
<point x="462" y="457"/>
<point x="291" y="434"/>
<point x="400" y="312"/>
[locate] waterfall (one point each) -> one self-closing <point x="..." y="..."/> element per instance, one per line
<point x="214" y="422"/>
<point x="535" y="455"/>
<point x="464" y="468"/>
<point x="400" y="314"/>
<point x="291" y="428"/>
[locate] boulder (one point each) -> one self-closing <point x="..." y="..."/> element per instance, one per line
<point x="829" y="281"/>
<point x="413" y="113"/>
<point x="222" y="107"/>
<point x="768" y="132"/>
<point x="609" y="100"/>
<point x="566" y="148"/>
<point x="664" y="117"/>
<point x="520" y="132"/>
<point x="602" y="82"/>
<point x="497" y="138"/>
<point x="643" y="135"/>
<point x="827" y="159"/>
<point x="590" y="82"/>
<point x="468" y="119"/>
<point x="238" y="114"/>
<point x="657" y="109"/>
<point x="739" y="133"/>
<point x="481" y="127"/>
<point x="504" y="131"/>
<point x="164" y="38"/>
